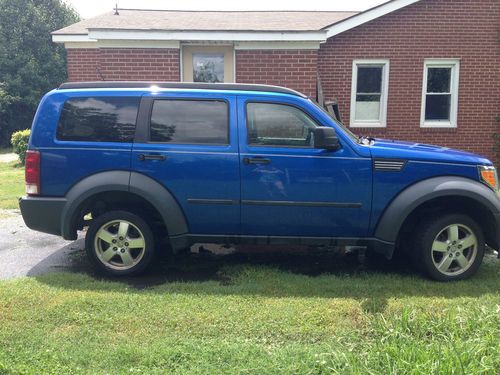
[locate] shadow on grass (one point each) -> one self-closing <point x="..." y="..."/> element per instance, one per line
<point x="270" y="273"/>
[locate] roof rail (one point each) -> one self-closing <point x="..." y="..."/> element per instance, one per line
<point x="178" y="85"/>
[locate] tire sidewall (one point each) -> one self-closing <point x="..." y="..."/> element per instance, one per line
<point x="132" y="218"/>
<point x="425" y="239"/>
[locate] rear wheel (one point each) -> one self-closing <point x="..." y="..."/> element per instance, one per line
<point x="449" y="247"/>
<point x="120" y="243"/>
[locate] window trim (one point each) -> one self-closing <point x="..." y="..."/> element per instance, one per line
<point x="150" y="114"/>
<point x="454" y="64"/>
<point x="382" y="123"/>
<point x="248" y="144"/>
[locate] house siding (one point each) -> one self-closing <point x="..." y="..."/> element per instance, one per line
<point x="124" y="64"/>
<point x="456" y="29"/>
<point x="296" y="69"/>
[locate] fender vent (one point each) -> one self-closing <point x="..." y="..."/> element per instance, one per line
<point x="388" y="165"/>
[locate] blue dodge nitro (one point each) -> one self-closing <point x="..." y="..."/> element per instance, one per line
<point x="137" y="163"/>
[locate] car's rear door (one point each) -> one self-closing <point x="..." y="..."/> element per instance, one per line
<point x="189" y="143"/>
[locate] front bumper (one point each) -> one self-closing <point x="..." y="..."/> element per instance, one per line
<point x="42" y="214"/>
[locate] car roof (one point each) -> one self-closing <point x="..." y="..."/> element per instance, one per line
<point x="178" y="85"/>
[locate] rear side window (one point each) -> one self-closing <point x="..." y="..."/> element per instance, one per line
<point x="98" y="119"/>
<point x="190" y="122"/>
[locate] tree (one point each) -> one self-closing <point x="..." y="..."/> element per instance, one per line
<point x="30" y="63"/>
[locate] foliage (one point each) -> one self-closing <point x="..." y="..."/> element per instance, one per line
<point x="30" y="63"/>
<point x="19" y="141"/>
<point x="11" y="188"/>
<point x="213" y="316"/>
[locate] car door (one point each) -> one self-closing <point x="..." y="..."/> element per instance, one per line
<point x="188" y="143"/>
<point x="289" y="188"/>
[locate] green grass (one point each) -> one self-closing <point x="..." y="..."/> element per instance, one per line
<point x="5" y="150"/>
<point x="11" y="184"/>
<point x="251" y="319"/>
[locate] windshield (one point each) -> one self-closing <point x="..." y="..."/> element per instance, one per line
<point x="351" y="135"/>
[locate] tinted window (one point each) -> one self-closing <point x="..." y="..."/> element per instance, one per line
<point x="189" y="121"/>
<point x="278" y="125"/>
<point x="98" y="119"/>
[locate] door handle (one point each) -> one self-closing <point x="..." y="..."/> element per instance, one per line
<point x="256" y="160"/>
<point x="143" y="157"/>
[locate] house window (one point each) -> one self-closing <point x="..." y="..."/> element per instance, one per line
<point x="213" y="64"/>
<point x="370" y="82"/>
<point x="208" y="67"/>
<point x="440" y="94"/>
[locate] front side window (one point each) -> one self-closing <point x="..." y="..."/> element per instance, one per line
<point x="189" y="122"/>
<point x="440" y="93"/>
<point x="272" y="124"/>
<point x="98" y="119"/>
<point x="369" y="93"/>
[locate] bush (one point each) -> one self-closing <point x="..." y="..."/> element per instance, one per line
<point x="19" y="142"/>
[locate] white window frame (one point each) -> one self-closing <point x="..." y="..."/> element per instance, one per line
<point x="454" y="64"/>
<point x="382" y="122"/>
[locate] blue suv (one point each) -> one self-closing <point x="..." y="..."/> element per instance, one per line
<point x="139" y="162"/>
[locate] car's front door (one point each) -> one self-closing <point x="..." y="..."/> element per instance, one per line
<point x="289" y="188"/>
<point x="189" y="143"/>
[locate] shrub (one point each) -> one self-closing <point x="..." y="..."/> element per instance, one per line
<point x="19" y="142"/>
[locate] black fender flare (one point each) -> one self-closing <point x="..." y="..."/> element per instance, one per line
<point x="125" y="181"/>
<point x="402" y="206"/>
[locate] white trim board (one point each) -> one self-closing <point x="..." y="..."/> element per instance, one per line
<point x="276" y="45"/>
<point x="454" y="65"/>
<point x="244" y="36"/>
<point x="124" y="44"/>
<point x="367" y="16"/>
<point x="382" y="122"/>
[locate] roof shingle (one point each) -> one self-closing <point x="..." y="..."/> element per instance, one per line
<point x="136" y="19"/>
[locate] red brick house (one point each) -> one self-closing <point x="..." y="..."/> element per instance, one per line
<point x="419" y="70"/>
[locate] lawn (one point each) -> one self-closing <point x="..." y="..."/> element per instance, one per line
<point x="285" y="315"/>
<point x="261" y="314"/>
<point x="11" y="184"/>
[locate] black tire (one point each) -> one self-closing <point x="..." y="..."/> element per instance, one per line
<point x="126" y="259"/>
<point x="428" y="260"/>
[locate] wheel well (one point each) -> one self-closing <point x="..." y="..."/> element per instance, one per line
<point x="450" y="204"/>
<point x="103" y="202"/>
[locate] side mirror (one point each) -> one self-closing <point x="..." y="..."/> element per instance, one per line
<point x="326" y="138"/>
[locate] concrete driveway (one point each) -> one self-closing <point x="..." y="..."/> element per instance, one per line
<point x="25" y="252"/>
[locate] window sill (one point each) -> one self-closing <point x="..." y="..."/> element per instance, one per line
<point x="367" y="125"/>
<point x="438" y="124"/>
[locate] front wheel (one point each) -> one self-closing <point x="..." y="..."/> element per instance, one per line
<point x="120" y="243"/>
<point x="449" y="247"/>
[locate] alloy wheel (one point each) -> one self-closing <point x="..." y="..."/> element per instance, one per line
<point x="119" y="244"/>
<point x="454" y="249"/>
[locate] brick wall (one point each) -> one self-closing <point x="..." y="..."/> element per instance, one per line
<point x="83" y="64"/>
<point x="463" y="29"/>
<point x="121" y="64"/>
<point x="296" y="69"/>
